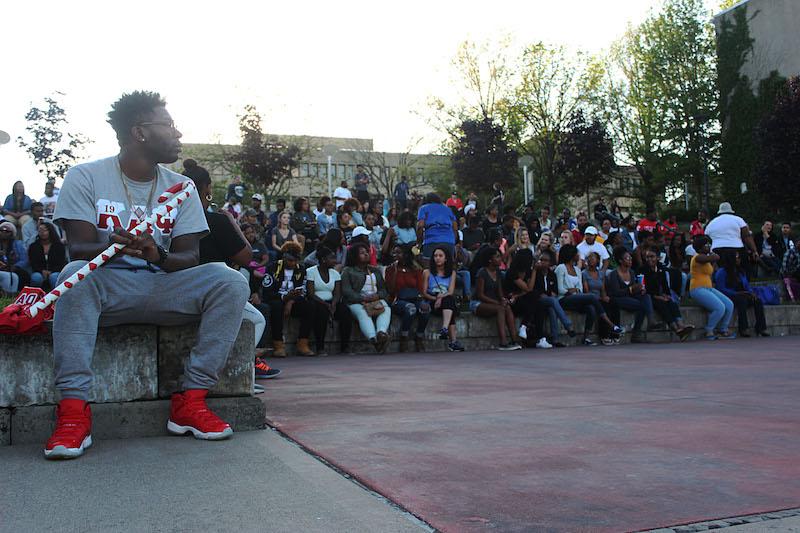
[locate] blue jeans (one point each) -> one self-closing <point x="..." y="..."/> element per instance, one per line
<point x="37" y="280"/>
<point x="464" y="280"/>
<point x="407" y="310"/>
<point x="589" y="304"/>
<point x="556" y="314"/>
<point x="368" y="327"/>
<point x="719" y="307"/>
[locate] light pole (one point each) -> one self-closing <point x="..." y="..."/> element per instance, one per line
<point x="330" y="150"/>
<point x="524" y="162"/>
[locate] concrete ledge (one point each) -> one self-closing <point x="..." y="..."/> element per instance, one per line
<point x="33" y="425"/>
<point x="130" y="363"/>
<point x="481" y="333"/>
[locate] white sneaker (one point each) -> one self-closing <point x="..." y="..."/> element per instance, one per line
<point x="543" y="344"/>
<point x="523" y="332"/>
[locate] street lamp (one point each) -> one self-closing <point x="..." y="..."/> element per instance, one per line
<point x="330" y="150"/>
<point x="524" y="162"/>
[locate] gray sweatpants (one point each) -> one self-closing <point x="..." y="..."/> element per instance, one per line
<point x="211" y="293"/>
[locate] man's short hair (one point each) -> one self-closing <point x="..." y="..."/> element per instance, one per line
<point x="34" y="205"/>
<point x="132" y="108"/>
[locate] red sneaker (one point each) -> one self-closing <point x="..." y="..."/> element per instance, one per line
<point x="72" y="434"/>
<point x="189" y="412"/>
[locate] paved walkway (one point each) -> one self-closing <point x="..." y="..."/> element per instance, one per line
<point x="583" y="439"/>
<point x="257" y="481"/>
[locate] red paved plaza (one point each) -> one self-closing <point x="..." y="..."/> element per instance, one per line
<point x="580" y="439"/>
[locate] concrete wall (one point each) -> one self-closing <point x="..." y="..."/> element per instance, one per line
<point x="773" y="27"/>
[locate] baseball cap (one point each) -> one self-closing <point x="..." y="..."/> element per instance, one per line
<point x="11" y="227"/>
<point x="361" y="230"/>
<point x="591" y="230"/>
<point x="258" y="197"/>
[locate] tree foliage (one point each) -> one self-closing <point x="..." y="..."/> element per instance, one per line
<point x="778" y="168"/>
<point x="585" y="155"/>
<point x="263" y="160"/>
<point x="482" y="155"/>
<point x="53" y="149"/>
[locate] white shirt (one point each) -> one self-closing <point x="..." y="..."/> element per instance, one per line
<point x="584" y="250"/>
<point x="323" y="291"/>
<point x="370" y="285"/>
<point x="49" y="203"/>
<point x="341" y="192"/>
<point x="725" y="231"/>
<point x="690" y="252"/>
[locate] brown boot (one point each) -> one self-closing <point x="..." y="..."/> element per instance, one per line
<point x="303" y="348"/>
<point x="278" y="349"/>
<point x="403" y="347"/>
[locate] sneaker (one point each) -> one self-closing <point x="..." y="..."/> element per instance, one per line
<point x="189" y="413"/>
<point x="258" y="389"/>
<point x="543" y="344"/>
<point x="559" y="345"/>
<point x="523" y="332"/>
<point x="607" y="342"/>
<point x="619" y="330"/>
<point x="589" y="342"/>
<point x="73" y="432"/>
<point x="443" y="336"/>
<point x="727" y="335"/>
<point x="455" y="346"/>
<point x="264" y="371"/>
<point x="509" y="347"/>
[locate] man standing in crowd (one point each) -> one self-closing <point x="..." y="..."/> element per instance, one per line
<point x="628" y="234"/>
<point x="786" y="242"/>
<point x="155" y="278"/>
<point x="256" y="202"/>
<point x="544" y="219"/>
<point x="455" y="201"/>
<point x="362" y="182"/>
<point x="729" y="234"/>
<point x="401" y="193"/>
<point x="649" y="222"/>
<point x="699" y="224"/>
<point x="50" y="198"/>
<point x="341" y="194"/>
<point x="236" y="189"/>
<point x="582" y="224"/>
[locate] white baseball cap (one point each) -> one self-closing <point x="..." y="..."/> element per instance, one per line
<point x="258" y="197"/>
<point x="361" y="230"/>
<point x="591" y="230"/>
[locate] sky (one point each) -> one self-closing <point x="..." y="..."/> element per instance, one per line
<point x="342" y="69"/>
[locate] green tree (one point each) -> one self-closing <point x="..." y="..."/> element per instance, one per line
<point x="482" y="155"/>
<point x="553" y="84"/>
<point x="263" y="160"/>
<point x="778" y="169"/>
<point x="53" y="149"/>
<point x="586" y="155"/>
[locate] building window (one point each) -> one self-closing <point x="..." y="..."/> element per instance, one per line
<point x="340" y="171"/>
<point x="322" y="171"/>
<point x="304" y="170"/>
<point x="351" y="171"/>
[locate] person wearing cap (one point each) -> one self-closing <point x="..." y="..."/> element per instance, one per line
<point x="455" y="201"/>
<point x="729" y="233"/>
<point x="590" y="244"/>
<point x="256" y="202"/>
<point x="361" y="235"/>
<point x="13" y="259"/>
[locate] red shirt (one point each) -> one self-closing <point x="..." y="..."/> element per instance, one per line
<point x="647" y="225"/>
<point x="672" y="227"/>
<point x="697" y="228"/>
<point x="454" y="202"/>
<point x="577" y="236"/>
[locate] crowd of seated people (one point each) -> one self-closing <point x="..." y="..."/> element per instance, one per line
<point x="360" y="259"/>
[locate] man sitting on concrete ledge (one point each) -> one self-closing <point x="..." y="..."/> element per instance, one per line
<point x="155" y="279"/>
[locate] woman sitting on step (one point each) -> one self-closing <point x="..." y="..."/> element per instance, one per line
<point x="324" y="286"/>
<point x="285" y="293"/>
<point x="440" y="283"/>
<point x="364" y="293"/>
<point x="404" y="283"/>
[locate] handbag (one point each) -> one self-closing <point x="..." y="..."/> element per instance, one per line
<point x="374" y="309"/>
<point x="768" y="294"/>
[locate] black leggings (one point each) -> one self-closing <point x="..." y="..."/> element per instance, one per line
<point x="668" y="310"/>
<point x="300" y="309"/>
<point x="321" y="318"/>
<point x="741" y="303"/>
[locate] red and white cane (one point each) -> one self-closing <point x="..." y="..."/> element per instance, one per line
<point x="169" y="201"/>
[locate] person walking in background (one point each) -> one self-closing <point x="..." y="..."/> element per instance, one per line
<point x="361" y="184"/>
<point x="719" y="306"/>
<point x="365" y="295"/>
<point x="17" y="207"/>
